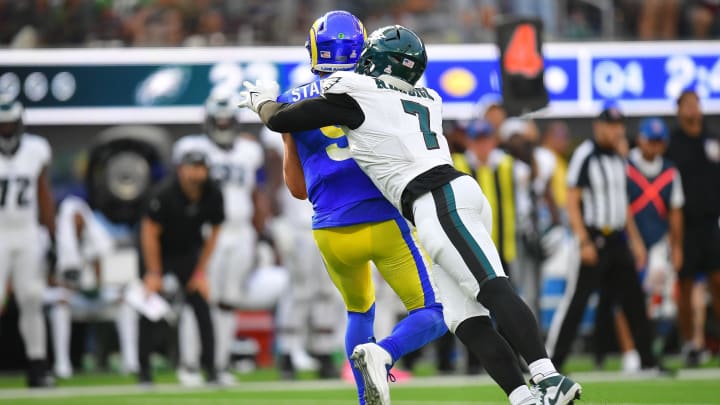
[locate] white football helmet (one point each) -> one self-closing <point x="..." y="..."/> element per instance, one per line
<point x="221" y="123"/>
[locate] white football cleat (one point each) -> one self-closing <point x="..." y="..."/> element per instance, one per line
<point x="303" y="361"/>
<point x="190" y="378"/>
<point x="63" y="371"/>
<point x="227" y="379"/>
<point x="373" y="362"/>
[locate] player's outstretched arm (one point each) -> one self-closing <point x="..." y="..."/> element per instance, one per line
<point x="313" y="113"/>
<point x="318" y="112"/>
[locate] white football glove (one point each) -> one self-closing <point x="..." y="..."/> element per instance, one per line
<point x="257" y="94"/>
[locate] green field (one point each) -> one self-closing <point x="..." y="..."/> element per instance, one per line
<point x="599" y="388"/>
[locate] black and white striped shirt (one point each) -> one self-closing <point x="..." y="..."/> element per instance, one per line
<point x="600" y="174"/>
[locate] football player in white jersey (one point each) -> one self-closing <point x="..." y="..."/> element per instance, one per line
<point x="25" y="196"/>
<point x="311" y="315"/>
<point x="395" y="134"/>
<point x="235" y="162"/>
<point x="82" y="243"/>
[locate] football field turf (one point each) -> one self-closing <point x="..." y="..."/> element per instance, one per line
<point x="598" y="388"/>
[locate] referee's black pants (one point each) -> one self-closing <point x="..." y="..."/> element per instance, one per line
<point x="182" y="267"/>
<point x="614" y="275"/>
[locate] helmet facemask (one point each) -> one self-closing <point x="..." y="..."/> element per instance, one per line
<point x="221" y="125"/>
<point x="11" y="126"/>
<point x="222" y="130"/>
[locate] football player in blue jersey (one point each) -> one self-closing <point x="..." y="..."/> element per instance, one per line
<point x="355" y="225"/>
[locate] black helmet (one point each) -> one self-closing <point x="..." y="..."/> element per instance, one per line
<point x="393" y="50"/>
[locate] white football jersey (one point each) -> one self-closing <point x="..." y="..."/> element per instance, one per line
<point x="19" y="175"/>
<point x="401" y="136"/>
<point x="235" y="169"/>
<point x="74" y="252"/>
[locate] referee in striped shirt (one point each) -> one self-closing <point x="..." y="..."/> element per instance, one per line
<point x="597" y="204"/>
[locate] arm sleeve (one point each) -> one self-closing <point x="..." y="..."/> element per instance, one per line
<point x="156" y="209"/>
<point x="577" y="174"/>
<point x="216" y="214"/>
<point x="318" y="112"/>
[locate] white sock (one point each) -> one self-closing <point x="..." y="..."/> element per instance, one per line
<point x="32" y="327"/>
<point x="520" y="395"/>
<point x="189" y="339"/>
<point x="126" y="323"/>
<point x="542" y="369"/>
<point x="224" y="324"/>
<point x="631" y="361"/>
<point x="60" y="321"/>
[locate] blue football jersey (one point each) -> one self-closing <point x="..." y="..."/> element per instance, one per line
<point x="340" y="192"/>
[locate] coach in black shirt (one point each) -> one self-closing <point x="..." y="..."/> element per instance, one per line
<point x="696" y="153"/>
<point x="172" y="242"/>
<point x="597" y="206"/>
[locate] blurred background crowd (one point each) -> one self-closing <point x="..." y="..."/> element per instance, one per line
<point x="81" y="173"/>
<point x="102" y="23"/>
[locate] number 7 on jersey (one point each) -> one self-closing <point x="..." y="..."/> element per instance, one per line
<point x="423" y="115"/>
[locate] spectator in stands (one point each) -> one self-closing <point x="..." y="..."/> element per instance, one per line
<point x="658" y="19"/>
<point x="477" y="19"/>
<point x="546" y="10"/>
<point x="702" y="19"/>
<point x="695" y="149"/>
<point x="67" y="24"/>
<point x="209" y="31"/>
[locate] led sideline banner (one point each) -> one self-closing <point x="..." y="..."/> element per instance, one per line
<point x="169" y="85"/>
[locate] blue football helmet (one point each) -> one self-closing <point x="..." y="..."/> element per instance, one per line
<point x="11" y="124"/>
<point x="335" y="41"/>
